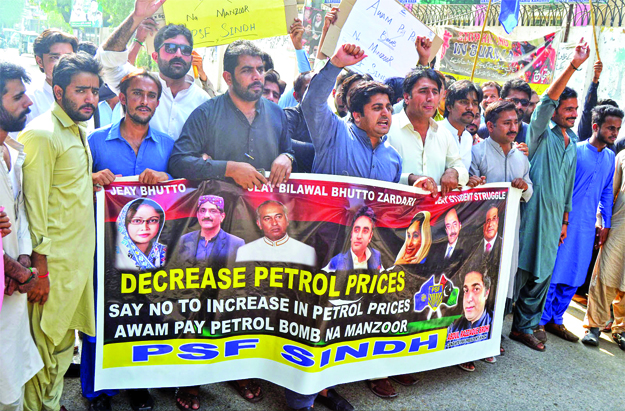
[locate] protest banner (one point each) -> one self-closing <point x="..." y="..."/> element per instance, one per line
<point x="318" y="281"/>
<point x="500" y="59"/>
<point x="215" y="22"/>
<point x="385" y="30"/>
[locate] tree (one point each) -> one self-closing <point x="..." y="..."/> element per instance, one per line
<point x="62" y="7"/>
<point x="11" y="13"/>
<point x="116" y="11"/>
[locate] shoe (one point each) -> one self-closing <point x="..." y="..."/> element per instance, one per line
<point x="382" y="388"/>
<point x="527" y="339"/>
<point x="334" y="401"/>
<point x="561" y="331"/>
<point x="619" y="339"/>
<point x="101" y="403"/>
<point x="540" y="334"/>
<point x="592" y="336"/>
<point x="490" y="360"/>
<point x="140" y="400"/>
<point x="406" y="380"/>
<point x="467" y="366"/>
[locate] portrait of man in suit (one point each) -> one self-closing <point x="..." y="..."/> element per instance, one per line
<point x="210" y="245"/>
<point x="491" y="245"/>
<point x="359" y="256"/>
<point x="453" y="250"/>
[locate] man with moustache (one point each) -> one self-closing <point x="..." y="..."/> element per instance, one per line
<point x="129" y="147"/>
<point x="496" y="159"/>
<point x="19" y="358"/>
<point x="491" y="244"/>
<point x="173" y="45"/>
<point x="453" y="250"/>
<point x="475" y="314"/>
<point x="553" y="159"/>
<point x="593" y="188"/>
<point x="429" y="153"/>
<point x="210" y="246"/>
<point x="461" y="108"/>
<point x="359" y="256"/>
<point x="58" y="191"/>
<point x="237" y="135"/>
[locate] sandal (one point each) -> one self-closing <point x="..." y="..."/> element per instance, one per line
<point x="467" y="366"/>
<point x="619" y="339"/>
<point x="184" y="396"/>
<point x="249" y="388"/>
<point x="490" y="360"/>
<point x="501" y="350"/>
<point x="527" y="339"/>
<point x="382" y="388"/>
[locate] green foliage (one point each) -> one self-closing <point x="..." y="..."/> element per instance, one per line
<point x="116" y="11"/>
<point x="11" y="12"/>
<point x="144" y="60"/>
<point x="56" y="20"/>
<point x="54" y="8"/>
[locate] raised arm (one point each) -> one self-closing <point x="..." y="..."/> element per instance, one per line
<point x="584" y="129"/>
<point x="582" y="51"/>
<point x="329" y="19"/>
<point x="424" y="48"/>
<point x="119" y="39"/>
<point x="296" y="33"/>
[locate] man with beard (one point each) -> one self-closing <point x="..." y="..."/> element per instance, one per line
<point x="532" y="106"/>
<point x="237" y="135"/>
<point x="20" y="359"/>
<point x="58" y="191"/>
<point x="210" y="246"/>
<point x="129" y="147"/>
<point x="461" y="108"/>
<point x="173" y="45"/>
<point x="593" y="188"/>
<point x="552" y="158"/>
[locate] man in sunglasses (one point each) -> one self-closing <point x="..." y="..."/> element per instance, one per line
<point x="173" y="46"/>
<point x="518" y="92"/>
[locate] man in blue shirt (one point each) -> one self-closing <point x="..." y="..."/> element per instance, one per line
<point x="129" y="147"/>
<point x="359" y="147"/>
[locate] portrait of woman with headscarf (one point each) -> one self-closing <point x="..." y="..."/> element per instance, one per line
<point x="139" y="226"/>
<point x="418" y="240"/>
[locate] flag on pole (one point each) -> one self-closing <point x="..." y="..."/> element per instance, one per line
<point x="509" y="14"/>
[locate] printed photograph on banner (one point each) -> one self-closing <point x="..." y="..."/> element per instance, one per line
<point x="311" y="275"/>
<point x="500" y="59"/>
<point x="312" y="19"/>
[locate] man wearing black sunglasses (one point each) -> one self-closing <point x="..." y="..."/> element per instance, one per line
<point x="518" y="92"/>
<point x="173" y="46"/>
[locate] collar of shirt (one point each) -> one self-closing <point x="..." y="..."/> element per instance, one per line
<point x="363" y="137"/>
<point x="452" y="245"/>
<point x="498" y="148"/>
<point x="404" y="121"/>
<point x="491" y="242"/>
<point x="554" y="126"/>
<point x="259" y="104"/>
<point x="355" y="257"/>
<point x="115" y="132"/>
<point x="277" y="243"/>
<point x="465" y="134"/>
<point x="212" y="240"/>
<point x="64" y="119"/>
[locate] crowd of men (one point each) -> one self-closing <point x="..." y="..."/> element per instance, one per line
<point x="61" y="140"/>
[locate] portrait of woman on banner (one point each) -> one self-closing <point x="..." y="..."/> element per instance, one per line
<point x="418" y="240"/>
<point x="139" y="226"/>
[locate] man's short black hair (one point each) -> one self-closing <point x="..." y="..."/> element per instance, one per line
<point x="267" y="60"/>
<point x="8" y="72"/>
<point x="460" y="90"/>
<point x="492" y="84"/>
<point x="272" y="76"/>
<point x="600" y="113"/>
<point x="365" y="211"/>
<point x="236" y="49"/>
<point x="361" y="94"/>
<point x="608" y="102"/>
<point x="340" y="79"/>
<point x="485" y="278"/>
<point x="48" y="38"/>
<point x="494" y="110"/>
<point x="516" y="84"/>
<point x="396" y="84"/>
<point x="88" y="47"/>
<point x="72" y="64"/>
<point x="348" y="82"/>
<point x="298" y="85"/>
<point x="169" y="32"/>
<point x="417" y="74"/>
<point x="567" y="93"/>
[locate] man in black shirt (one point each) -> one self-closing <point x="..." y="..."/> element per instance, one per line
<point x="236" y="134"/>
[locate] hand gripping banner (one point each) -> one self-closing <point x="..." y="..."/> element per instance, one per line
<point x="315" y="282"/>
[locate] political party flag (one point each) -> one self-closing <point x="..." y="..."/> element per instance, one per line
<point x="509" y="14"/>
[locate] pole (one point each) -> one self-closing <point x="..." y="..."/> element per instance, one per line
<point x="479" y="44"/>
<point x="594" y="32"/>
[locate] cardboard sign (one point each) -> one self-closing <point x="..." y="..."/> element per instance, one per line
<point x="214" y="22"/>
<point x="387" y="32"/>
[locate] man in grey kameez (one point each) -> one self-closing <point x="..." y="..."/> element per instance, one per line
<point x="544" y="218"/>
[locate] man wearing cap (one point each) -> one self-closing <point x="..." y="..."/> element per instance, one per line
<point x="210" y="245"/>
